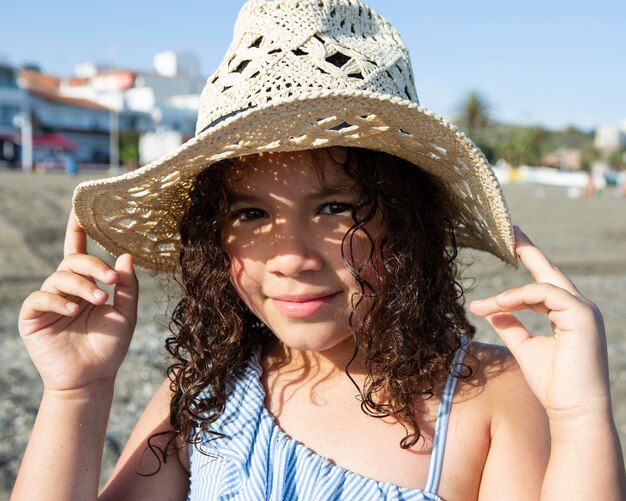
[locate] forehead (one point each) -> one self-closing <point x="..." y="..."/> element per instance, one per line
<point x="303" y="170"/>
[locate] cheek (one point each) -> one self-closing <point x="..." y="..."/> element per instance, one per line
<point x="247" y="287"/>
<point x="357" y="250"/>
<point x="364" y="256"/>
<point x="245" y="276"/>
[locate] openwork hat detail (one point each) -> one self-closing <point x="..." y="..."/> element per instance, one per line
<point x="300" y="74"/>
<point x="344" y="45"/>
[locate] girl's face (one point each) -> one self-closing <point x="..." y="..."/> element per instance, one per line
<point x="284" y="238"/>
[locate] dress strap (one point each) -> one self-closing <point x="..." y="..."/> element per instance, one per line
<point x="441" y="427"/>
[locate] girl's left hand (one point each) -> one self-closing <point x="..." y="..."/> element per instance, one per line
<point x="567" y="372"/>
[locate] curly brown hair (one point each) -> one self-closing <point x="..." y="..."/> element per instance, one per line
<point x="414" y="320"/>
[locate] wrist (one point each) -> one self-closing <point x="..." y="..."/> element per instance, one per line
<point x="575" y="425"/>
<point x="99" y="389"/>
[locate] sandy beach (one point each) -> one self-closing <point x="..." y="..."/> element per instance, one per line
<point x="586" y="238"/>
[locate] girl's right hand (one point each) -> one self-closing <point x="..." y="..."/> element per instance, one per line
<point x="73" y="337"/>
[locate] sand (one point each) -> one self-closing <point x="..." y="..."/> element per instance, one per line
<point x="586" y="238"/>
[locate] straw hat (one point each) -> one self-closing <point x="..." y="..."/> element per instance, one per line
<point x="299" y="74"/>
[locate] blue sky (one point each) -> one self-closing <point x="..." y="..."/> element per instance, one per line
<point x="553" y="63"/>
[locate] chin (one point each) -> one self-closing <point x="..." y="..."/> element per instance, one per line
<point x="310" y="338"/>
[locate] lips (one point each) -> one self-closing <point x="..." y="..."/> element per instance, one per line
<point x="302" y="298"/>
<point x="302" y="305"/>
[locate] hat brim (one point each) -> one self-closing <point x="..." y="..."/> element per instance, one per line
<point x="139" y="212"/>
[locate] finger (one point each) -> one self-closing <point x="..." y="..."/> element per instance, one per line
<point x="75" y="237"/>
<point x="89" y="266"/>
<point x="40" y="302"/>
<point x="539" y="266"/>
<point x="547" y="296"/>
<point x="65" y="282"/>
<point x="488" y="306"/>
<point x="510" y="330"/>
<point x="127" y="288"/>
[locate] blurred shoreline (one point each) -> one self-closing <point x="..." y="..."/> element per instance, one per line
<point x="584" y="237"/>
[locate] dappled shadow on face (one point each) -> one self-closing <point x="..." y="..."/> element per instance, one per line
<point x="280" y="218"/>
<point x="286" y="190"/>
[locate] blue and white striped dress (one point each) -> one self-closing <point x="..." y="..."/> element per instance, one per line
<point x="258" y="461"/>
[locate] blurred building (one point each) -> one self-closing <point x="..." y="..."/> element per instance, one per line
<point x="11" y="97"/>
<point x="77" y="115"/>
<point x="76" y="121"/>
<point x="168" y="96"/>
<point x="570" y="159"/>
<point x="610" y="138"/>
<point x="12" y="101"/>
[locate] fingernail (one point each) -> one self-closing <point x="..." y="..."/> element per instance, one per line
<point x="98" y="294"/>
<point x="110" y="273"/>
<point x="521" y="232"/>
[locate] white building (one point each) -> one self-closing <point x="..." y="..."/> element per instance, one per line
<point x="610" y="138"/>
<point x="168" y="96"/>
<point x="12" y="98"/>
<point x="83" y="122"/>
<point x="76" y="114"/>
<point x="177" y="63"/>
<point x="12" y="103"/>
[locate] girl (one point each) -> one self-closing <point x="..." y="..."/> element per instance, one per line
<point x="320" y="349"/>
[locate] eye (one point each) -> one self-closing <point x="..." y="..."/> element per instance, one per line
<point x="335" y="208"/>
<point x="248" y="214"/>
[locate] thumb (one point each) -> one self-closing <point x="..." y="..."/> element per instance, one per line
<point x="126" y="289"/>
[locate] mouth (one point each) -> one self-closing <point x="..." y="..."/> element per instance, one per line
<point x="302" y="306"/>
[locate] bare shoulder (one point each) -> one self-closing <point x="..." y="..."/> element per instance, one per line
<point x="519" y="444"/>
<point x="496" y="440"/>
<point x="494" y="372"/>
<point x="498" y="385"/>
<point x="154" y="462"/>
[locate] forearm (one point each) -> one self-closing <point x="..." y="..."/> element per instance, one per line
<point x="63" y="457"/>
<point x="585" y="460"/>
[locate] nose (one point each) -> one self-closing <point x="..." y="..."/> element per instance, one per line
<point x="294" y="252"/>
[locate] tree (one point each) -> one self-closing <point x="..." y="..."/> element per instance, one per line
<point x="617" y="159"/>
<point x="590" y="155"/>
<point x="129" y="148"/>
<point x="523" y="147"/>
<point x="473" y="113"/>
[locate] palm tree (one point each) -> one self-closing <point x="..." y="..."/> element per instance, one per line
<point x="474" y="112"/>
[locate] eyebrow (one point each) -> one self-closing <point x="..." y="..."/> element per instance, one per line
<point x="327" y="191"/>
<point x="242" y="198"/>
